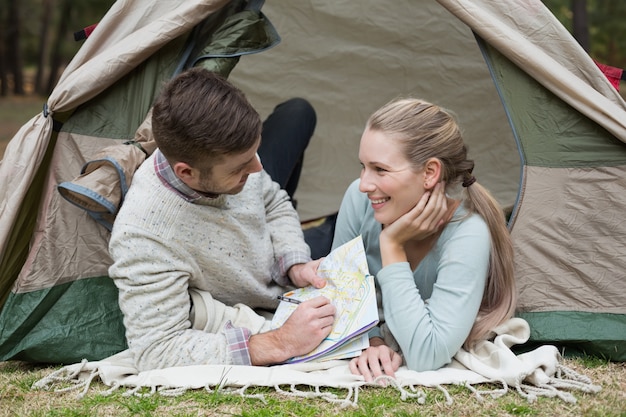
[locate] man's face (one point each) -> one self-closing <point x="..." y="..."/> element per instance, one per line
<point x="230" y="175"/>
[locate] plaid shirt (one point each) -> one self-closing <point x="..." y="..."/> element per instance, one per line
<point x="237" y="337"/>
<point x="166" y="174"/>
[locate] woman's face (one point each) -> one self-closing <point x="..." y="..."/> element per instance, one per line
<point x="387" y="177"/>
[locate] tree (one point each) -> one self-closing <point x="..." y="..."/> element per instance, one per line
<point x="56" y="60"/>
<point x="13" y="53"/>
<point x="4" y="78"/>
<point x="581" y="23"/>
<point x="42" y="53"/>
<point x="598" y="25"/>
<point x="46" y="44"/>
<point x="608" y="32"/>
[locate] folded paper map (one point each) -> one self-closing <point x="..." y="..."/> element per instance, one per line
<point x="350" y="288"/>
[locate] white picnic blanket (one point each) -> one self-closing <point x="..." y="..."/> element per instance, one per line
<point x="532" y="374"/>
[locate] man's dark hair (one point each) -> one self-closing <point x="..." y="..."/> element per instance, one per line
<point x="199" y="117"/>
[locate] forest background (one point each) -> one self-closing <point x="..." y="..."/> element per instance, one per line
<point x="37" y="37"/>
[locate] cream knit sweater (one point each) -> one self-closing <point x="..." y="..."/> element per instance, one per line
<point x="163" y="246"/>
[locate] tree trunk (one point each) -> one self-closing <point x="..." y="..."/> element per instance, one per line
<point x="4" y="77"/>
<point x="14" y="52"/>
<point x="581" y="23"/>
<point x="56" y="61"/>
<point x="42" y="53"/>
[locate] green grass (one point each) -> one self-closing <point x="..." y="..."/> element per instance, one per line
<point x="18" y="399"/>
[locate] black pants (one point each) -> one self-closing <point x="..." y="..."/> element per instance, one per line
<point x="286" y="135"/>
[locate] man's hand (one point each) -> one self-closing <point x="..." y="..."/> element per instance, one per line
<point x="303" y="331"/>
<point x="302" y="275"/>
<point x="379" y="359"/>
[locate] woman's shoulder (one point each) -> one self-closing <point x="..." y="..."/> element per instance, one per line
<point x="354" y="200"/>
<point x="353" y="192"/>
<point x="468" y="223"/>
<point x="353" y="188"/>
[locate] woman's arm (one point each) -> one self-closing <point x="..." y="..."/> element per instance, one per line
<point x="430" y="333"/>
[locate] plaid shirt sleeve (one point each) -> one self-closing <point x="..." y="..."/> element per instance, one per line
<point x="282" y="265"/>
<point x="237" y="339"/>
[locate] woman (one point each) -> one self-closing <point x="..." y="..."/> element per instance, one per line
<point x="443" y="265"/>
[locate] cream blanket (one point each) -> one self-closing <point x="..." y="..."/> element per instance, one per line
<point x="532" y="374"/>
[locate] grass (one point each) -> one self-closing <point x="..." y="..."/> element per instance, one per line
<point x="18" y="399"/>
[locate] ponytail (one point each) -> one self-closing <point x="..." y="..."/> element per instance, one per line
<point x="500" y="297"/>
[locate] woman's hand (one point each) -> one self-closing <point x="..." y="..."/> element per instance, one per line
<point x="423" y="220"/>
<point x="378" y="359"/>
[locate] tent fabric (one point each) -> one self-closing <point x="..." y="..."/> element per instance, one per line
<point x="57" y="265"/>
<point x="126" y="36"/>
<point x="534" y="40"/>
<point x="349" y="59"/>
<point x="544" y="125"/>
<point x="567" y="230"/>
<point x="569" y="210"/>
<point x="564" y="113"/>
<point x="102" y="185"/>
<point x="103" y="182"/>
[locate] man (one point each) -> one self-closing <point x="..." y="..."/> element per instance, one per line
<point x="205" y="240"/>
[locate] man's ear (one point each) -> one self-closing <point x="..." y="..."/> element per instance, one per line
<point x="432" y="173"/>
<point x="185" y="172"/>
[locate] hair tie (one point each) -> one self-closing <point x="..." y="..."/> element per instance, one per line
<point x="471" y="180"/>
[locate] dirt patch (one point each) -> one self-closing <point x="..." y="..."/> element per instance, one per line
<point x="14" y="112"/>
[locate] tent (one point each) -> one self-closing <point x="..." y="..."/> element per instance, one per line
<point x="544" y="126"/>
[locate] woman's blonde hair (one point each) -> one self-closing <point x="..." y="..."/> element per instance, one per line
<point x="429" y="131"/>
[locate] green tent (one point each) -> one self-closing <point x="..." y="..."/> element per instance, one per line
<point x="544" y="125"/>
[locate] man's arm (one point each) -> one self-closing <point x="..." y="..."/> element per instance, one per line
<point x="283" y="224"/>
<point x="156" y="303"/>
<point x="302" y="275"/>
<point x="153" y="278"/>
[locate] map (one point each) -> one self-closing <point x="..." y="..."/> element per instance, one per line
<point x="351" y="289"/>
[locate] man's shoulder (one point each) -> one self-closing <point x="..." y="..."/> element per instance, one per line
<point x="143" y="182"/>
<point x="146" y="169"/>
<point x="146" y="193"/>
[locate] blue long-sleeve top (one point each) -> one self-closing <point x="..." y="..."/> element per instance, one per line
<point x="431" y="310"/>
